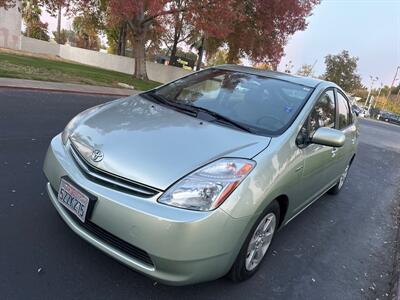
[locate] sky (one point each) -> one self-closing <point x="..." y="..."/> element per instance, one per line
<point x="368" y="29"/>
<point x="65" y="22"/>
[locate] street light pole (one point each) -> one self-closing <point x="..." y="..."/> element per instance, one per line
<point x="370" y="89"/>
<point x="390" y="88"/>
<point x="398" y="96"/>
<point x="377" y="97"/>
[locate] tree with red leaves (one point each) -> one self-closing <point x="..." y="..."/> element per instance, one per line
<point x="7" y="4"/>
<point x="258" y="29"/>
<point x="31" y="11"/>
<point x="177" y="29"/>
<point x="208" y="16"/>
<point x="263" y="27"/>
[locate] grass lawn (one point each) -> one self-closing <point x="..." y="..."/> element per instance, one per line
<point x="18" y="65"/>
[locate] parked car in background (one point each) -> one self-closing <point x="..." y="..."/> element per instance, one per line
<point x="364" y="112"/>
<point x="384" y="116"/>
<point x="190" y="181"/>
<point x="356" y="109"/>
<point x="396" y="120"/>
<point x="390" y="118"/>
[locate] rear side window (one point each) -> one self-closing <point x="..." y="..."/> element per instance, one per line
<point x="323" y="113"/>
<point x="344" y="111"/>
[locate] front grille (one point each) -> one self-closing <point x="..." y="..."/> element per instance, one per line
<point x="112" y="240"/>
<point x="116" y="242"/>
<point x="111" y="180"/>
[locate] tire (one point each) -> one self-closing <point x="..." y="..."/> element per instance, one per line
<point x="339" y="185"/>
<point x="243" y="268"/>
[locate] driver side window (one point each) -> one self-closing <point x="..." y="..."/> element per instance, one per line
<point x="323" y="114"/>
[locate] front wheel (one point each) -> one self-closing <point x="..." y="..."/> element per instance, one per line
<point x="256" y="245"/>
<point x="338" y="187"/>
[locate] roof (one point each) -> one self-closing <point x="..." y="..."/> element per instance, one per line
<point x="306" y="81"/>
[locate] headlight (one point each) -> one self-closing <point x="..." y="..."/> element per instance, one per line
<point x="208" y="187"/>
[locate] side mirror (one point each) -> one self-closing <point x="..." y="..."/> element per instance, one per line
<point x="328" y="137"/>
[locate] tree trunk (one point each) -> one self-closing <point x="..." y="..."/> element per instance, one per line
<point x="172" y="58"/>
<point x="122" y="41"/>
<point x="139" y="28"/>
<point x="233" y="53"/>
<point x="177" y="36"/>
<point x="85" y="41"/>
<point x="123" y="44"/>
<point x="201" y="52"/>
<point x="140" y="56"/>
<point x="59" y="26"/>
<point x="177" y="32"/>
<point x="119" y="48"/>
<point x="28" y="30"/>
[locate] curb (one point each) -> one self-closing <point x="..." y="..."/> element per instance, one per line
<point x="68" y="91"/>
<point x="64" y="87"/>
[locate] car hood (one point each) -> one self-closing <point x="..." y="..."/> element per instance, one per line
<point x="155" y="145"/>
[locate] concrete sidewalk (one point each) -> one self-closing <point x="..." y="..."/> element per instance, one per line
<point x="64" y="87"/>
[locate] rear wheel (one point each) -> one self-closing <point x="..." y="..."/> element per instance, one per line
<point x="256" y="245"/>
<point x="338" y="187"/>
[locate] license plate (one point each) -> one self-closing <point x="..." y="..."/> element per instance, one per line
<point x="73" y="199"/>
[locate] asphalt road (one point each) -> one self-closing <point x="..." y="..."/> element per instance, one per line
<point x="341" y="247"/>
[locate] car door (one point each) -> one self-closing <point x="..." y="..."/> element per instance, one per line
<point x="318" y="159"/>
<point x="345" y="123"/>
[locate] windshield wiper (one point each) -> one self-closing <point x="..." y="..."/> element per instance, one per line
<point x="221" y="118"/>
<point x="194" y="111"/>
<point x="178" y="106"/>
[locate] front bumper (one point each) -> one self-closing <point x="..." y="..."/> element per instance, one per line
<point x="185" y="246"/>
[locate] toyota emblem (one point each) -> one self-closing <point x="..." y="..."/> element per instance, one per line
<point x="97" y="155"/>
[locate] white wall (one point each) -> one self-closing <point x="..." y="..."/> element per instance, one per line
<point x="10" y="37"/>
<point x="163" y="73"/>
<point x="156" y="72"/>
<point x="10" y="28"/>
<point x="98" y="59"/>
<point x="40" y="47"/>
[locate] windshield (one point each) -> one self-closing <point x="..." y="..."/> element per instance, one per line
<point x="263" y="105"/>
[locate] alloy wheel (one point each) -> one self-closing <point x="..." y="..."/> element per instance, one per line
<point x="260" y="241"/>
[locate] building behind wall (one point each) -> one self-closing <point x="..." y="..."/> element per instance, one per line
<point x="10" y="28"/>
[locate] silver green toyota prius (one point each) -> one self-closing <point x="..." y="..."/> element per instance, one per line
<point x="190" y="181"/>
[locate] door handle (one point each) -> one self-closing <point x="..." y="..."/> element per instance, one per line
<point x="298" y="169"/>
<point x="334" y="150"/>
